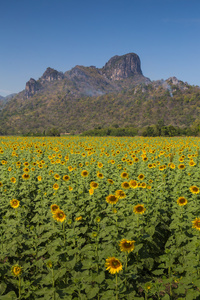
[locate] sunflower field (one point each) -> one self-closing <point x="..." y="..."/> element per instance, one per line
<point x="99" y="218"/>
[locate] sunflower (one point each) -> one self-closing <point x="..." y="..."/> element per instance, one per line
<point x="196" y="223"/>
<point x="13" y="179"/>
<point x="66" y="177"/>
<point x="16" y="270"/>
<point x="125" y="185"/>
<point x="172" y="166"/>
<point x="91" y="191"/>
<point x="124" y="175"/>
<point x="54" y="208"/>
<point x="94" y="185"/>
<point x="113" y="265"/>
<point x="39" y="178"/>
<point x="79" y="218"/>
<point x="1" y="184"/>
<point x="181" y="166"/>
<point x="139" y="209"/>
<point x="136" y="159"/>
<point x="100" y="175"/>
<point x="181" y="201"/>
<point x="55" y="186"/>
<point x="112" y="199"/>
<point x="100" y="165"/>
<point x="110" y="181"/>
<point x="70" y="188"/>
<point x="133" y="184"/>
<point x="14" y="203"/>
<point x="127" y="246"/>
<point x="25" y="176"/>
<point x="56" y="176"/>
<point x="192" y="163"/>
<point x="150" y="166"/>
<point x="59" y="215"/>
<point x="194" y="189"/>
<point x="26" y="164"/>
<point x="141" y="176"/>
<point x="120" y="194"/>
<point x="143" y="185"/>
<point x="84" y="173"/>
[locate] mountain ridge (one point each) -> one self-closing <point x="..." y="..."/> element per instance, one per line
<point x="85" y="97"/>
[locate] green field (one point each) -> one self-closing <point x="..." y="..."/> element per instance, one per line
<point x="99" y="218"/>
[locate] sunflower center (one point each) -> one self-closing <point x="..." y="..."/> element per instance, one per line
<point x="127" y="245"/>
<point x="197" y="224"/>
<point x="115" y="264"/>
<point x="140" y="208"/>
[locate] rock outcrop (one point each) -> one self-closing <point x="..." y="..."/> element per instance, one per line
<point x="121" y="67"/>
<point x="32" y="86"/>
<point x="51" y="75"/>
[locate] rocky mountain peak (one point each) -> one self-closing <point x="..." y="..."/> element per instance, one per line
<point x="51" y="75"/>
<point x="121" y="67"/>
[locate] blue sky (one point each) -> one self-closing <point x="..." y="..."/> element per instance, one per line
<point x="36" y="34"/>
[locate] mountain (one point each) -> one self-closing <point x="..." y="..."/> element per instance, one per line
<point x="87" y="97"/>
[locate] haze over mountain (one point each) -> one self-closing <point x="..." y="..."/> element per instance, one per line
<point x="86" y="97"/>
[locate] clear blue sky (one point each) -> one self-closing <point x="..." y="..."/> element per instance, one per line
<point x="36" y="34"/>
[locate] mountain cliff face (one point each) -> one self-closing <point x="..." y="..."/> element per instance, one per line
<point x="121" y="67"/>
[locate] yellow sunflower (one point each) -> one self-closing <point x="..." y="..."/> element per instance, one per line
<point x="133" y="184"/>
<point x="13" y="179"/>
<point x="181" y="166"/>
<point x="112" y="199"/>
<point x="25" y="176"/>
<point x="196" y="223"/>
<point x="141" y="176"/>
<point x="84" y="173"/>
<point x="57" y="176"/>
<point x="54" y="208"/>
<point x="59" y="215"/>
<point x="16" y="270"/>
<point x="91" y="191"/>
<point x="194" y="189"/>
<point x="110" y="181"/>
<point x="113" y="265"/>
<point x="94" y="185"/>
<point x="66" y="177"/>
<point x="14" y="203"/>
<point x="100" y="175"/>
<point x="39" y="178"/>
<point x="79" y="218"/>
<point x="127" y="246"/>
<point x="120" y="194"/>
<point x="181" y="201"/>
<point x="1" y="184"/>
<point x="55" y="186"/>
<point x="139" y="209"/>
<point x="124" y="175"/>
<point x="125" y="185"/>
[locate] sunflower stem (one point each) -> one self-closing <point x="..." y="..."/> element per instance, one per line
<point x="64" y="232"/>
<point x="116" y="288"/>
<point x="19" y="287"/>
<point x="53" y="284"/>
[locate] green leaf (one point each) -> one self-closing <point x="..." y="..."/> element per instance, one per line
<point x="9" y="296"/>
<point x="158" y="272"/>
<point x="100" y="278"/>
<point x="166" y="297"/>
<point x="2" y="288"/>
<point x="92" y="293"/>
